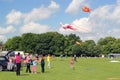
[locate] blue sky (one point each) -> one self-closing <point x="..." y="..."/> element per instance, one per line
<point x="40" y="16"/>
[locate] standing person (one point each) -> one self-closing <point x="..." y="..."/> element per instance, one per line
<point x="75" y="58"/>
<point x="48" y="60"/>
<point x="34" y="64"/>
<point x="28" y="60"/>
<point x="72" y="63"/>
<point x="42" y="61"/>
<point x="10" y="64"/>
<point x="18" y="63"/>
<point x="61" y="56"/>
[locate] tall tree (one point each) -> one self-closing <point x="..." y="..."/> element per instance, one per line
<point x="106" y="44"/>
<point x="13" y="43"/>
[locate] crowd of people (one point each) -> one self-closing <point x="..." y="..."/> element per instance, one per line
<point x="31" y="63"/>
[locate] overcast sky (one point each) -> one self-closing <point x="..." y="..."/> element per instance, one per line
<point x="40" y="16"/>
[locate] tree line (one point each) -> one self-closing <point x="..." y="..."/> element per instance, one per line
<point x="57" y="44"/>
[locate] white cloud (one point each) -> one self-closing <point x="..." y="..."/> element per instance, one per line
<point x="105" y="21"/>
<point x="3" y="38"/>
<point x="9" y="29"/>
<point x="5" y="31"/>
<point x="53" y="6"/>
<point x="41" y="13"/>
<point x="82" y="25"/>
<point x="118" y="2"/>
<point x="34" y="28"/>
<point x="16" y="17"/>
<point x="114" y="32"/>
<point x="74" y="6"/>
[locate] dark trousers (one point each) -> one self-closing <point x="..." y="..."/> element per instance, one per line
<point x="18" y="69"/>
<point x="42" y="68"/>
<point x="28" y="68"/>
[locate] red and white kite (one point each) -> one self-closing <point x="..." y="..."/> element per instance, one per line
<point x="68" y="26"/>
<point x="73" y="27"/>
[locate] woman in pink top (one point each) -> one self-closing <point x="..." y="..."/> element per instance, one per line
<point x="18" y="63"/>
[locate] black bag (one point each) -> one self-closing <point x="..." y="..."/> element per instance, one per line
<point x="31" y="62"/>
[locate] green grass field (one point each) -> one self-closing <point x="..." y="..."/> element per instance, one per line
<point x="85" y="69"/>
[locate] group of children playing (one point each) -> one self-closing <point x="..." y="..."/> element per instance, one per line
<point x="34" y="61"/>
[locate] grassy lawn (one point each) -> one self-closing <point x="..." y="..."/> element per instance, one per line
<point x="85" y="69"/>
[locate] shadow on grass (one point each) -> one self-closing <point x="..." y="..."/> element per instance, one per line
<point x="44" y="72"/>
<point x="38" y="72"/>
<point x="47" y="72"/>
<point x="24" y="75"/>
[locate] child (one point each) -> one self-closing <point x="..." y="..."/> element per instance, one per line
<point x="48" y="60"/>
<point x="34" y="63"/>
<point x="10" y="64"/>
<point x="72" y="63"/>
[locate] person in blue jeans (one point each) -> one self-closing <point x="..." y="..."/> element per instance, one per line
<point x="42" y="64"/>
